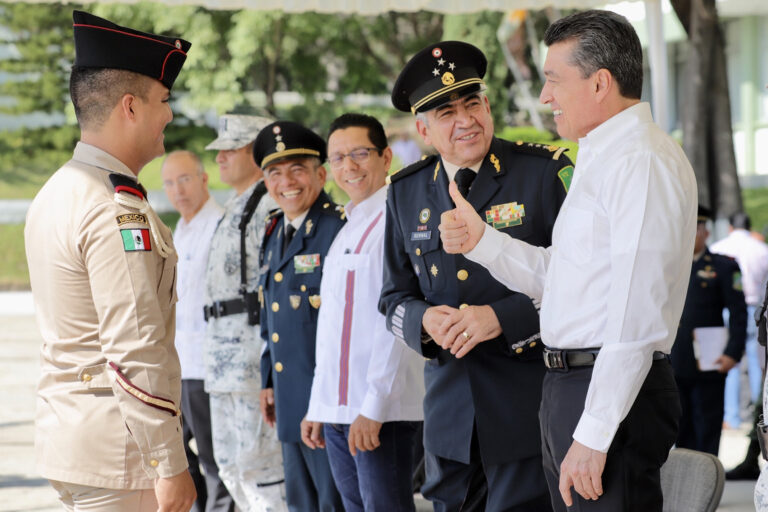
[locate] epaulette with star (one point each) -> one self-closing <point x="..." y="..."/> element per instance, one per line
<point x="548" y="151"/>
<point x="545" y="150"/>
<point x="334" y="210"/>
<point x="410" y="169"/>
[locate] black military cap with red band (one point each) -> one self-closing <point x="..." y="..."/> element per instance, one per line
<point x="99" y="43"/>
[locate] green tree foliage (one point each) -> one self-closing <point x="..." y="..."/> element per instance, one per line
<point x="239" y="61"/>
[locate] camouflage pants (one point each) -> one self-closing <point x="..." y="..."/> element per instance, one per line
<point x="247" y="452"/>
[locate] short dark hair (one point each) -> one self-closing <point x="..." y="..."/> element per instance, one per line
<point x="740" y="220"/>
<point x="375" y="130"/>
<point x="96" y="91"/>
<point x="605" y="40"/>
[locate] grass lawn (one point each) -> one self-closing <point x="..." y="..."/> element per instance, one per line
<point x="13" y="261"/>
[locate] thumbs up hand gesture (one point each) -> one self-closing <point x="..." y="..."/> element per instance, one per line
<point x="460" y="228"/>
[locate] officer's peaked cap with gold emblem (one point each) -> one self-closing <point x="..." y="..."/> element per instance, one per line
<point x="237" y="130"/>
<point x="438" y="74"/>
<point x="99" y="43"/>
<point x="282" y="140"/>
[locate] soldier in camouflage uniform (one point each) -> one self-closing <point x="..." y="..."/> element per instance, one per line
<point x="247" y="453"/>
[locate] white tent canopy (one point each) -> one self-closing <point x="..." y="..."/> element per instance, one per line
<point x="371" y="7"/>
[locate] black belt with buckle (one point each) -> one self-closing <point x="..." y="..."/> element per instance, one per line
<point x="222" y="308"/>
<point x="563" y="360"/>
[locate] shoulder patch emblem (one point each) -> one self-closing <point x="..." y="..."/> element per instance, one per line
<point x="136" y="240"/>
<point x="737" y="281"/>
<point x="566" y="175"/>
<point x="131" y="218"/>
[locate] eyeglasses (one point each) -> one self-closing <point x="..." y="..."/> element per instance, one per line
<point x="359" y="156"/>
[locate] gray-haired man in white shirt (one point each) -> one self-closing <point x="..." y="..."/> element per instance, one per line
<point x="613" y="283"/>
<point x="186" y="185"/>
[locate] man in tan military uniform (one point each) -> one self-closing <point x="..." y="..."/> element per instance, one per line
<point x="103" y="268"/>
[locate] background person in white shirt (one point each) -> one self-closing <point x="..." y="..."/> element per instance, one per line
<point x="186" y="185"/>
<point x="752" y="256"/>
<point x="613" y="283"/>
<point x="367" y="388"/>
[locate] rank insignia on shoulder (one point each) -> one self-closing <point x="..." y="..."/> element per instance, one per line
<point x="505" y="215"/>
<point x="136" y="240"/>
<point x="315" y="301"/>
<point x="123" y="183"/>
<point x="306" y="263"/>
<point x="566" y="175"/>
<point x="433" y="270"/>
<point x="308" y="226"/>
<point x="295" y="301"/>
<point x="131" y="218"/>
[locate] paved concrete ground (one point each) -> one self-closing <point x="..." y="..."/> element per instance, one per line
<point x="21" y="489"/>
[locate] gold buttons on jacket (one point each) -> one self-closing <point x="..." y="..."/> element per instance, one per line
<point x="278" y="277"/>
<point x="418" y="252"/>
<point x="275" y="307"/>
<point x="462" y="275"/>
<point x="303" y="287"/>
<point x="464" y="306"/>
<point x="275" y="337"/>
<point x="518" y="350"/>
<point x="278" y="367"/>
<point x="154" y="463"/>
<point x="532" y="344"/>
<point x="86" y="377"/>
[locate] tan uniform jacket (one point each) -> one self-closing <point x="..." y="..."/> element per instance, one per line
<point x="101" y="302"/>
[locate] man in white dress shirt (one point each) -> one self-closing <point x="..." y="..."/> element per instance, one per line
<point x="752" y="256"/>
<point x="368" y="389"/>
<point x="186" y="185"/>
<point x="613" y="283"/>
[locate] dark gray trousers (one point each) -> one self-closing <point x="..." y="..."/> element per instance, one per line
<point x="631" y="480"/>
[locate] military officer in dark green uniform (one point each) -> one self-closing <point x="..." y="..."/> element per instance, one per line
<point x="715" y="285"/>
<point x="481" y="428"/>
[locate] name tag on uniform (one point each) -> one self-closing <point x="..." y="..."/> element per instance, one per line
<point x="306" y="263"/>
<point x="420" y="235"/>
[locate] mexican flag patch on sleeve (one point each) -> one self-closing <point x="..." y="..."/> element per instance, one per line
<point x="136" y="240"/>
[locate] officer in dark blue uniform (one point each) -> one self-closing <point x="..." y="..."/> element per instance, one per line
<point x="296" y="240"/>
<point x="481" y="426"/>
<point x="715" y="284"/>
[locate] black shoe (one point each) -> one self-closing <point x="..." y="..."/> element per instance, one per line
<point x="744" y="471"/>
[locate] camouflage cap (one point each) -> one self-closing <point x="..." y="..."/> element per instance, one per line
<point x="236" y="131"/>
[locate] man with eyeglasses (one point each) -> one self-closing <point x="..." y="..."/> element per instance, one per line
<point x="186" y="184"/>
<point x="368" y="388"/>
<point x="481" y="430"/>
<point x="296" y="241"/>
<point x="248" y="456"/>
